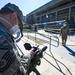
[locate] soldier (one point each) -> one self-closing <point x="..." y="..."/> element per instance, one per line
<point x="64" y="32"/>
<point x="10" y="18"/>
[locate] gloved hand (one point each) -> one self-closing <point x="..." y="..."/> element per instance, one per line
<point x="32" y="53"/>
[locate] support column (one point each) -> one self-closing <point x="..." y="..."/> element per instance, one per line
<point x="40" y="19"/>
<point x="69" y="12"/>
<point x="56" y="15"/>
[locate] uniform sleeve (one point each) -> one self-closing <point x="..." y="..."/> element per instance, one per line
<point x="9" y="59"/>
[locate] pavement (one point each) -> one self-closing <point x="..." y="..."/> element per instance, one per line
<point x="63" y="55"/>
<point x="71" y="38"/>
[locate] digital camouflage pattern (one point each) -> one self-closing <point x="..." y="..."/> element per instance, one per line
<point x="64" y="31"/>
<point x="9" y="58"/>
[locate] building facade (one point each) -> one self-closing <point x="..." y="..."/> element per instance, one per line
<point x="53" y="11"/>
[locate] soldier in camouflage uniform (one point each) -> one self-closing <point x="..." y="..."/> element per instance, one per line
<point x="64" y="32"/>
<point x="10" y="61"/>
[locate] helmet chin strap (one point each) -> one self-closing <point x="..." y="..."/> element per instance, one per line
<point x="5" y="21"/>
<point x="10" y="25"/>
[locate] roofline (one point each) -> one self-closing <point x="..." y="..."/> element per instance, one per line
<point x="51" y="3"/>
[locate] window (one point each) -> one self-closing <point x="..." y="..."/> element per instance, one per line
<point x="62" y="12"/>
<point x="52" y="15"/>
<point x="72" y="18"/>
<point x="73" y="9"/>
<point x="43" y="17"/>
<point x="38" y="20"/>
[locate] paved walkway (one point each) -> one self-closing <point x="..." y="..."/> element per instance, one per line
<point x="48" y="65"/>
<point x="70" y="39"/>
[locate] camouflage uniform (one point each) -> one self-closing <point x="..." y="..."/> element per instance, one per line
<point x="9" y="58"/>
<point x="64" y="32"/>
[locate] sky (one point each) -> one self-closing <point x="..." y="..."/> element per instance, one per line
<point x="26" y="6"/>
